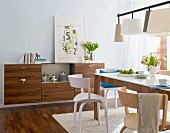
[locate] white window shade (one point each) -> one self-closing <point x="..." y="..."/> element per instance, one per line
<point x="159" y="22"/>
<point x="132" y="27"/>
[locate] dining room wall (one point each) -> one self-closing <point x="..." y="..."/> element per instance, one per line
<point x="28" y="26"/>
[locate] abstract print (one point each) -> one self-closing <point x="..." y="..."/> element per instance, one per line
<point x="70" y="39"/>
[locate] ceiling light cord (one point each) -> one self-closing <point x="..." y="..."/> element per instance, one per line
<point x="118" y="19"/>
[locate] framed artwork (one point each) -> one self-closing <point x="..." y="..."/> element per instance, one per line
<point x="69" y="36"/>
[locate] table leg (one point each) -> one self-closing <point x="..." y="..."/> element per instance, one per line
<point x="96" y="91"/>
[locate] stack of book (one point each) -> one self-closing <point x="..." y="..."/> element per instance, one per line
<point x="30" y="58"/>
<point x="27" y="58"/>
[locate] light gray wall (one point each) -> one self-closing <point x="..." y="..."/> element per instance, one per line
<point x="28" y="26"/>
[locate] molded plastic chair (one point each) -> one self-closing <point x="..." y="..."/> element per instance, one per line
<point x="131" y="100"/>
<point x="108" y="87"/>
<point x="77" y="81"/>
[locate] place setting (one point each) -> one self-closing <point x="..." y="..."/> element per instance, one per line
<point x="142" y="75"/>
<point x="163" y="83"/>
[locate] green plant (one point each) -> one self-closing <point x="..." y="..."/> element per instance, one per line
<point x="86" y="57"/>
<point x="152" y="60"/>
<point x="90" y="46"/>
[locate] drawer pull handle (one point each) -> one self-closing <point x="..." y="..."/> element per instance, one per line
<point x="58" y="86"/>
<point x="23" y="81"/>
<point x="90" y="66"/>
<point x="23" y="68"/>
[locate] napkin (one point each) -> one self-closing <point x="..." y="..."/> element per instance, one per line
<point x="153" y="87"/>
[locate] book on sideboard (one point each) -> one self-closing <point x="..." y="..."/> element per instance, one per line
<point x="27" y="58"/>
<point x="30" y="58"/>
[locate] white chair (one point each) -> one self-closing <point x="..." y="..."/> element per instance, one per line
<point x="107" y="87"/>
<point x="77" y="81"/>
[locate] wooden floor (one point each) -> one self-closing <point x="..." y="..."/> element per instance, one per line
<point x="36" y="119"/>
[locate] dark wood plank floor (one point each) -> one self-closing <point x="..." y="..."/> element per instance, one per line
<point x="37" y="118"/>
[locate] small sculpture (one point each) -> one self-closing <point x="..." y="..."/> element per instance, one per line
<point x="53" y="79"/>
<point x="45" y="77"/>
<point x="37" y="56"/>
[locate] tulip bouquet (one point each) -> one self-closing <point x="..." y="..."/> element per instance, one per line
<point x="152" y="60"/>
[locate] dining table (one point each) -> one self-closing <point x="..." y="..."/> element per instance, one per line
<point x="149" y="84"/>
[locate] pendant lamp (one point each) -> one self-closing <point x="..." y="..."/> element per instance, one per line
<point x="159" y="22"/>
<point x="132" y="26"/>
<point x="118" y="36"/>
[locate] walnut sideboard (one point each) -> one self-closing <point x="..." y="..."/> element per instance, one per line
<point x="23" y="83"/>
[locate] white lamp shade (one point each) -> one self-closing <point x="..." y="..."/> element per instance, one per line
<point x="132" y="27"/>
<point x="118" y="36"/>
<point x="159" y="22"/>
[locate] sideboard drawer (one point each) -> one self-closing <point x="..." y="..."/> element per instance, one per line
<point x="87" y="67"/>
<point x="18" y="81"/>
<point x="22" y="94"/>
<point x="57" y="91"/>
<point x="23" y="70"/>
<point x="22" y="83"/>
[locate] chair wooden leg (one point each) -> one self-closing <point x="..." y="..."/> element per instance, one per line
<point x="123" y="128"/>
<point x="98" y="111"/>
<point x="115" y="99"/>
<point x="106" y="115"/>
<point x="80" y="111"/>
<point x="74" y="116"/>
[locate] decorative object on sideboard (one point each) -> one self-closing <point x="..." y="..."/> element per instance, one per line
<point x="53" y="78"/>
<point x="86" y="57"/>
<point x="69" y="35"/>
<point x="37" y="56"/>
<point x="63" y="76"/>
<point x="91" y="47"/>
<point x="45" y="77"/>
<point x="31" y="58"/>
<point x="39" y="61"/>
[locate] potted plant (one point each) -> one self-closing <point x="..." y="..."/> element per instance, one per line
<point x="152" y="63"/>
<point x="91" y="47"/>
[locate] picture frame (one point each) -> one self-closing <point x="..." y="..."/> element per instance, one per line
<point x="69" y="36"/>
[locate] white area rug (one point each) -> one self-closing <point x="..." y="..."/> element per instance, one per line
<point x="89" y="125"/>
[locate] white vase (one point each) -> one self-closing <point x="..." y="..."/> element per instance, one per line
<point x="153" y="70"/>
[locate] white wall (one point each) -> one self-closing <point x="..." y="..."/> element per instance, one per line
<point x="28" y="26"/>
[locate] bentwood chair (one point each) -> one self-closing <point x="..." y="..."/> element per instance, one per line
<point x="164" y="72"/>
<point x="108" y="87"/>
<point x="77" y="81"/>
<point x="167" y="73"/>
<point x="131" y="100"/>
